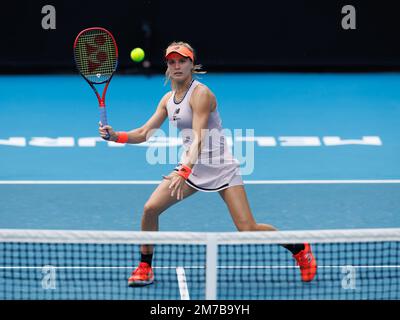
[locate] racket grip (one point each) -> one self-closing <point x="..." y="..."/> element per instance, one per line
<point x="103" y="119"/>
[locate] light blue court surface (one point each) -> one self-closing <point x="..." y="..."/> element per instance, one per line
<point x="333" y="128"/>
<point x="306" y="127"/>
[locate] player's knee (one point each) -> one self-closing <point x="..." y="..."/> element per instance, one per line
<point x="150" y="209"/>
<point x="247" y="226"/>
<point x="253" y="226"/>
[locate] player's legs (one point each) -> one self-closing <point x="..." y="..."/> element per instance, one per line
<point x="159" y="201"/>
<point x="238" y="205"/>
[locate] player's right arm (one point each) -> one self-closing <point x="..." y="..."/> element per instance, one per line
<point x="143" y="133"/>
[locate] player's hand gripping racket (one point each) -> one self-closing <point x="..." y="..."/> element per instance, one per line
<point x="96" y="57"/>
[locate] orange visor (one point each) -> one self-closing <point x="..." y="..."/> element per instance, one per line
<point x="182" y="50"/>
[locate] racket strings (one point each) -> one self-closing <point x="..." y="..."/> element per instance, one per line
<point x="96" y="55"/>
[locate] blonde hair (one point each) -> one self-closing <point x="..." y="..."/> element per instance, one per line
<point x="196" y="67"/>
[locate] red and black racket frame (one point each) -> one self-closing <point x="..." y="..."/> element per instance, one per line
<point x="102" y="98"/>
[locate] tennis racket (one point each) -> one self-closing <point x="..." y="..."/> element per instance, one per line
<point x="96" y="58"/>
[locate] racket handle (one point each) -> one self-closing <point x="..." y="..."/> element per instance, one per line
<point x="103" y="119"/>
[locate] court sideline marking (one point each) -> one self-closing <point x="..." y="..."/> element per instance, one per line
<point x="155" y="182"/>
<point x="183" y="288"/>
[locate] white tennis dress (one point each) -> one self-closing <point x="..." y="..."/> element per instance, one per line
<point x="216" y="169"/>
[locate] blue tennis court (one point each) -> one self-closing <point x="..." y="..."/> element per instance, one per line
<point x="322" y="153"/>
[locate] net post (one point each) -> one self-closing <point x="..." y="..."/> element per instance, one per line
<point x="211" y="267"/>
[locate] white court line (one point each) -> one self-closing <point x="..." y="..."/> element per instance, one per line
<point x="385" y="181"/>
<point x="183" y="289"/>
<point x="94" y="267"/>
<point x="180" y="271"/>
<point x="155" y="182"/>
<point x="94" y="182"/>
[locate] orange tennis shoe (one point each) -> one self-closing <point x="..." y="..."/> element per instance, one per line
<point x="307" y="263"/>
<point x="142" y="276"/>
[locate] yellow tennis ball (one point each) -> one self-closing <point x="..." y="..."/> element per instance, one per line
<point x="137" y="54"/>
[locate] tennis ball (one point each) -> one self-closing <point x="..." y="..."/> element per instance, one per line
<point x="137" y="54"/>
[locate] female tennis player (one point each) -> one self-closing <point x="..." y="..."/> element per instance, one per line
<point x="206" y="164"/>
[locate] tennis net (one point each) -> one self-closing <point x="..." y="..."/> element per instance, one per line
<point x="58" y="264"/>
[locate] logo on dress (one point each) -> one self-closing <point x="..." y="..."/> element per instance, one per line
<point x="175" y="115"/>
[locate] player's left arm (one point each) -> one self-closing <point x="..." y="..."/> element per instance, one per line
<point x="201" y="102"/>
